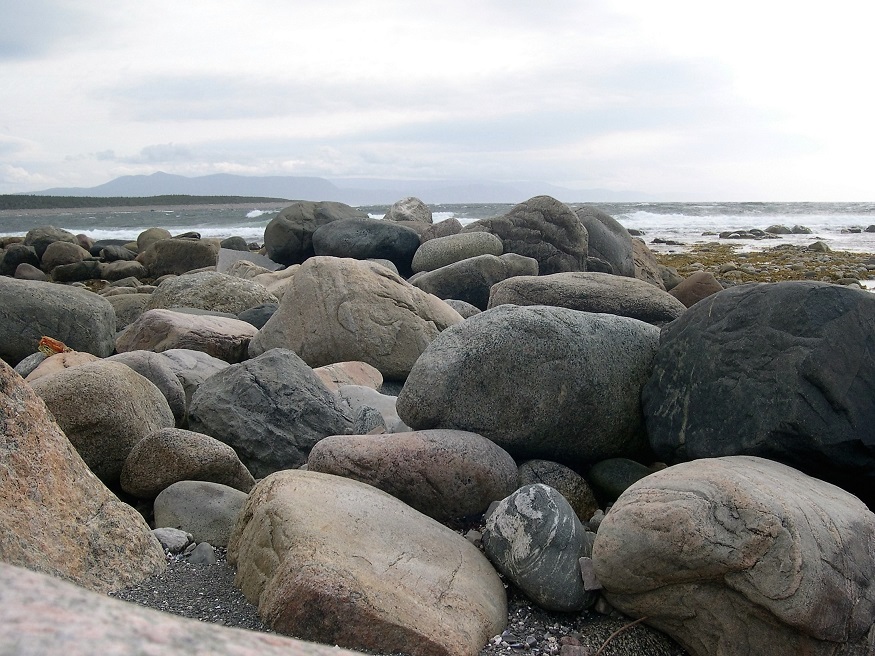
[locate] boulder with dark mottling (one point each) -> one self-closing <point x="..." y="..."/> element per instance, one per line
<point x="409" y="209"/>
<point x="441" y="251"/>
<point x="567" y="482"/>
<point x="210" y="290"/>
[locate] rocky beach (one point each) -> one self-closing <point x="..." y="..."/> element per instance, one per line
<point x="531" y="434"/>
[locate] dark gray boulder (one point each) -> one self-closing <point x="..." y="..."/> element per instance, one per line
<point x="610" y="478"/>
<point x="564" y="480"/>
<point x="541" y="382"/>
<point x="288" y="238"/>
<point x="785" y="371"/>
<point x="41" y="237"/>
<point x="541" y="228"/>
<point x="591" y="292"/>
<point x="365" y="238"/>
<point x="535" y="539"/>
<point x="16" y="254"/>
<point x="259" y="314"/>
<point x="271" y="410"/>
<point x="470" y="280"/>
<point x="30" y="309"/>
<point x="77" y="271"/>
<point x="113" y="253"/>
<point x="608" y="240"/>
<point x="179" y="255"/>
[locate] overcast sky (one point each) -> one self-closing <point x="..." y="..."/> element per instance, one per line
<point x="760" y="100"/>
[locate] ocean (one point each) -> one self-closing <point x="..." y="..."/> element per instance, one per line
<point x="841" y="225"/>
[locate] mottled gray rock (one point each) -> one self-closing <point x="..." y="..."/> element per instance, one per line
<point x="25" y="271"/>
<point x="610" y="478"/>
<point x="258" y="315"/>
<point x="172" y="539"/>
<point x="464" y="308"/>
<point x="40" y="238"/>
<point x="288" y="238"/>
<point x="206" y="510"/>
<point x="192" y="368"/>
<point x="62" y="252"/>
<point x="210" y="290"/>
<point x="128" y="308"/>
<point x="358" y="396"/>
<point x="115" y="253"/>
<point x="742" y="556"/>
<point x="535" y="539"/>
<point x="444" y="228"/>
<point x="150" y="236"/>
<point x="15" y="255"/>
<point x="445" y="474"/>
<point x="121" y="269"/>
<point x="365" y="239"/>
<point x="542" y="382"/>
<point x="30" y="363"/>
<point x="567" y="482"/>
<point x="608" y="240"/>
<point x="203" y="554"/>
<point x="409" y="209"/>
<point x="177" y="256"/>
<point x="271" y="410"/>
<point x="441" y="251"/>
<point x="77" y="272"/>
<point x="156" y="367"/>
<point x="228" y="258"/>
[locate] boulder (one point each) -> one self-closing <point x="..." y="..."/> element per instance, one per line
<point x="610" y="478"/>
<point x="115" y="253"/>
<point x="58" y="362"/>
<point x="259" y="314"/>
<point x="128" y="308"/>
<point x="359" y="396"/>
<point x="25" y="271"/>
<point x="541" y="382"/>
<point x="441" y="251"/>
<point x="349" y="373"/>
<point x="444" y="228"/>
<point x="567" y="482"/>
<point x="646" y="266"/>
<point x="541" y="228"/>
<point x="591" y="292"/>
<point x="337" y="561"/>
<point x="288" y="238"/>
<point x="160" y="330"/>
<point x="536" y="540"/>
<point x="77" y="271"/>
<point x="104" y="408"/>
<point x="464" y="308"/>
<point x="171" y="455"/>
<point x="30" y="310"/>
<point x="271" y="410"/>
<point x="62" y="252"/>
<point x="445" y="474"/>
<point x="335" y="310"/>
<point x="56" y="517"/>
<point x="192" y="368"/>
<point x="608" y="240"/>
<point x="177" y="256"/>
<point x="209" y="290"/>
<point x="471" y="280"/>
<point x="149" y="236"/>
<point x="121" y="269"/>
<point x="366" y="238"/>
<point x="783" y="370"/>
<point x="695" y="287"/>
<point x="742" y="556"/>
<point x="409" y="209"/>
<point x="157" y="368"/>
<point x="40" y="238"/>
<point x="15" y="255"/>
<point x="206" y="510"/>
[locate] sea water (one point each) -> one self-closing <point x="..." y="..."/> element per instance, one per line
<point x="841" y="225"/>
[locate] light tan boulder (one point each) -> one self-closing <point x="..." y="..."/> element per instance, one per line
<point x="58" y="362"/>
<point x="349" y="373"/>
<point x="338" y="309"/>
<point x="62" y="252"/>
<point x="742" y="556"/>
<point x="210" y="290"/>
<point x="161" y="330"/>
<point x="177" y="256"/>
<point x="337" y="561"/>
<point x="55" y="515"/>
<point x="695" y="287"/>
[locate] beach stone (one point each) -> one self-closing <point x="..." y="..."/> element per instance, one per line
<point x="192" y="368"/>
<point x="59" y="362"/>
<point x="179" y="255"/>
<point x="471" y="280"/>
<point x="349" y="373"/>
<point x="104" y="408"/>
<point x="336" y="310"/>
<point x="15" y="255"/>
<point x="567" y="482"/>
<point x="695" y="287"/>
<point x="359" y="396"/>
<point x="444" y="228"/>
<point x="464" y="308"/>
<point x="43" y="615"/>
<point x="288" y="238"/>
<point x="608" y="240"/>
<point x="535" y="539"/>
<point x="31" y="362"/>
<point x="30" y="310"/>
<point x="210" y="290"/>
<point x="160" y="330"/>
<point x="40" y="238"/>
<point x="170" y="455"/>
<point x="610" y="478"/>
<point x="646" y="266"/>
<point x="205" y="509"/>
<point x="115" y="253"/>
<point x="77" y="271"/>
<point x="409" y="209"/>
<point x="172" y="539"/>
<point x="783" y="370"/>
<point x="384" y="577"/>
<point x="548" y="382"/>
<point x="149" y="236"/>
<point x="157" y="368"/>
<point x="445" y="474"/>
<point x="769" y="542"/>
<point x="670" y="278"/>
<point x="259" y="314"/>
<point x="441" y="251"/>
<point x="127" y="307"/>
<point x="55" y="515"/>
<point x="541" y="228"/>
<point x="365" y="238"/>
<point x="25" y="271"/>
<point x="62" y="252"/>
<point x="590" y="292"/>
<point x="271" y="410"/>
<point x="121" y="269"/>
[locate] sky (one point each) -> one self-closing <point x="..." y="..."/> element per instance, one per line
<point x="679" y="100"/>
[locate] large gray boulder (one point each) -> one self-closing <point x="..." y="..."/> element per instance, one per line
<point x="179" y="255"/>
<point x="210" y="290"/>
<point x="445" y="474"/>
<point x="288" y="238"/>
<point x="536" y="540"/>
<point x="42" y="237"/>
<point x="205" y="509"/>
<point x="441" y="251"/>
<point x="367" y="239"/>
<point x="742" y="556"/>
<point x="14" y="256"/>
<point x="157" y="368"/>
<point x="338" y="309"/>
<point x="409" y="209"/>
<point x="30" y="310"/>
<point x="541" y="228"/>
<point x="337" y="561"/>
<point x="784" y="371"/>
<point x="541" y="382"/>
<point x="608" y="240"/>
<point x="56" y="517"/>
<point x="471" y="280"/>
<point x="591" y="292"/>
<point x="271" y="410"/>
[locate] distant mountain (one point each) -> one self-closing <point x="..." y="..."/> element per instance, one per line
<point x="353" y="191"/>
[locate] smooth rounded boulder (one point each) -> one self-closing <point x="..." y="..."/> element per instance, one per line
<point x="441" y="251"/>
<point x="205" y="509"/>
<point x="567" y="482"/>
<point x="288" y="238"/>
<point x="179" y="255"/>
<point x="742" y="556"/>
<point x="333" y="560"/>
<point x="591" y="292"/>
<point x="695" y="287"/>
<point x="784" y="371"/>
<point x="607" y="240"/>
<point x="541" y="382"/>
<point x="42" y="237"/>
<point x="365" y="239"/>
<point x="157" y="368"/>
<point x="340" y="309"/>
<point x="445" y="474"/>
<point x="209" y="290"/>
